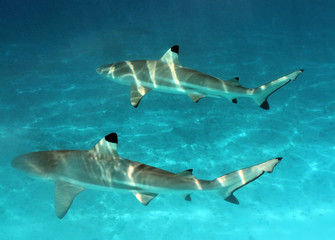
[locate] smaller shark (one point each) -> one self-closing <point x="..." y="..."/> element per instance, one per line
<point x="102" y="168"/>
<point x="167" y="75"/>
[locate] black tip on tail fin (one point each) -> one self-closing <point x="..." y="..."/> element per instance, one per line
<point x="232" y="199"/>
<point x="111" y="138"/>
<point x="175" y="49"/>
<point x="265" y="105"/>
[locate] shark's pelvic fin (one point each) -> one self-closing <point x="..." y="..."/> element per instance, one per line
<point x="229" y="183"/>
<point x="64" y="194"/>
<point x="171" y="56"/>
<point x="107" y="146"/>
<point x="136" y="94"/>
<point x="145" y="198"/>
<point x="262" y="93"/>
<point x="196" y="97"/>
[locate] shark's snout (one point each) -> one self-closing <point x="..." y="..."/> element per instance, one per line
<point x="104" y="69"/>
<point x="35" y="163"/>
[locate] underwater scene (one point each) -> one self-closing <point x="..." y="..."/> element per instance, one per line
<point x="224" y="92"/>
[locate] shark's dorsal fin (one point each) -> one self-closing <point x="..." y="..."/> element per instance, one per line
<point x="145" y="198"/>
<point x="136" y="94"/>
<point x="64" y="194"/>
<point x="186" y="173"/>
<point x="107" y="146"/>
<point x="171" y="56"/>
<point x="234" y="82"/>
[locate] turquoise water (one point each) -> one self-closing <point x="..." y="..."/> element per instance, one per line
<point x="52" y="98"/>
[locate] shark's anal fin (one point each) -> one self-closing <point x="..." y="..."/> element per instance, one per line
<point x="196" y="97"/>
<point x="145" y="198"/>
<point x="188" y="198"/>
<point x="64" y="194"/>
<point x="136" y="93"/>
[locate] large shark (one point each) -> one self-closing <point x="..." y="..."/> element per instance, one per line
<point x="102" y="168"/>
<point x="167" y="75"/>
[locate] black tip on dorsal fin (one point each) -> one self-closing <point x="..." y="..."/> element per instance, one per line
<point x="175" y="49"/>
<point x="237" y="78"/>
<point x="111" y="138"/>
<point x="190" y="171"/>
<point x="302" y="70"/>
<point x="234" y="100"/>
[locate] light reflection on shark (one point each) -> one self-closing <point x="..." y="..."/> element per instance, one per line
<point x="102" y="168"/>
<point x="167" y="75"/>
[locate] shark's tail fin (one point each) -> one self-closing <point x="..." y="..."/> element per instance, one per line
<point x="229" y="183"/>
<point x="262" y="93"/>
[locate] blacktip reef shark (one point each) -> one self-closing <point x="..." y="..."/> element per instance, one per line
<point x="167" y="75"/>
<point x="102" y="168"/>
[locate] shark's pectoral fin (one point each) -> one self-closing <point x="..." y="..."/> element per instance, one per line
<point x="196" y="97"/>
<point x="136" y="94"/>
<point x="145" y="198"/>
<point x="64" y="194"/>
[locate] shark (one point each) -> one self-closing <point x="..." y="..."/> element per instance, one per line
<point x="102" y="168"/>
<point x="168" y="75"/>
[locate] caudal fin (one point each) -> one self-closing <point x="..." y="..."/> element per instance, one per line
<point x="262" y="93"/>
<point x="229" y="183"/>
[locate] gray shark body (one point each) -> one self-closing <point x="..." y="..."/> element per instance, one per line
<point x="167" y="75"/>
<point x="102" y="168"/>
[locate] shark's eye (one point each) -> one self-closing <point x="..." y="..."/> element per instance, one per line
<point x="111" y="138"/>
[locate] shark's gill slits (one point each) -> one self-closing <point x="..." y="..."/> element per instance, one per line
<point x="151" y="65"/>
<point x="138" y="82"/>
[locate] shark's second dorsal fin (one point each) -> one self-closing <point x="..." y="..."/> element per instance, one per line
<point x="186" y="173"/>
<point x="234" y="82"/>
<point x="64" y="194"/>
<point x="107" y="146"/>
<point x="171" y="56"/>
